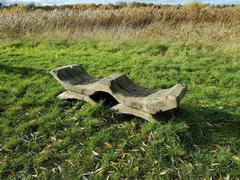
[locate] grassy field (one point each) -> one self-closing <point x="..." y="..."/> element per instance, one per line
<point x="47" y="138"/>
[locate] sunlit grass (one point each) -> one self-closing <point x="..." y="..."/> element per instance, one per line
<point x="43" y="137"/>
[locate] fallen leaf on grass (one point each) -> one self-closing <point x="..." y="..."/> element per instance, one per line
<point x="134" y="150"/>
<point x="108" y="145"/>
<point x="143" y="149"/>
<point x="237" y="159"/>
<point x="216" y="164"/>
<point x="163" y="173"/>
<point x="114" y="165"/>
<point x="99" y="170"/>
<point x="95" y="153"/>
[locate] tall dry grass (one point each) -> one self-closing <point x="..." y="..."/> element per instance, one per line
<point x="36" y="21"/>
<point x="191" y="23"/>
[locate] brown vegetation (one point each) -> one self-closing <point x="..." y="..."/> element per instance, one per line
<point x="192" y="23"/>
<point x="20" y="20"/>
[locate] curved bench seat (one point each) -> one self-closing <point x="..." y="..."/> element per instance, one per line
<point x="129" y="97"/>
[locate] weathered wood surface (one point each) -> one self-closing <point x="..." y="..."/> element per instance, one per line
<point x="118" y="90"/>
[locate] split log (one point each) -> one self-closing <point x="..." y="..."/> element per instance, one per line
<point x="119" y="91"/>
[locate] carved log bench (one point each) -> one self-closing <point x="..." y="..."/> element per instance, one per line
<point x="118" y="91"/>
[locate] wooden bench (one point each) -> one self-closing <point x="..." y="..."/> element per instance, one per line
<point x="117" y="91"/>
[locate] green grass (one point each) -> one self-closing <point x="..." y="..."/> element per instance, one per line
<point x="44" y="137"/>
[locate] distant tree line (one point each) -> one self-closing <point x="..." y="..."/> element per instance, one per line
<point x="29" y="4"/>
<point x="117" y="5"/>
<point x="2" y="3"/>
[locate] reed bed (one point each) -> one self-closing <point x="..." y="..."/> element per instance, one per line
<point x="18" y="21"/>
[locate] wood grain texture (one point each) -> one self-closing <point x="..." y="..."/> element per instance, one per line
<point x="130" y="98"/>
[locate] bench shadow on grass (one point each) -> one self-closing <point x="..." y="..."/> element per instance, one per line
<point x="206" y="127"/>
<point x="23" y="71"/>
<point x="209" y="126"/>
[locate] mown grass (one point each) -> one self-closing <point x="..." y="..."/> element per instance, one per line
<point x="44" y="137"/>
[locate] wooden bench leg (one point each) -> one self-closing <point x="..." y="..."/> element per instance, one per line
<point x="73" y="95"/>
<point x="132" y="111"/>
<point x="119" y="107"/>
